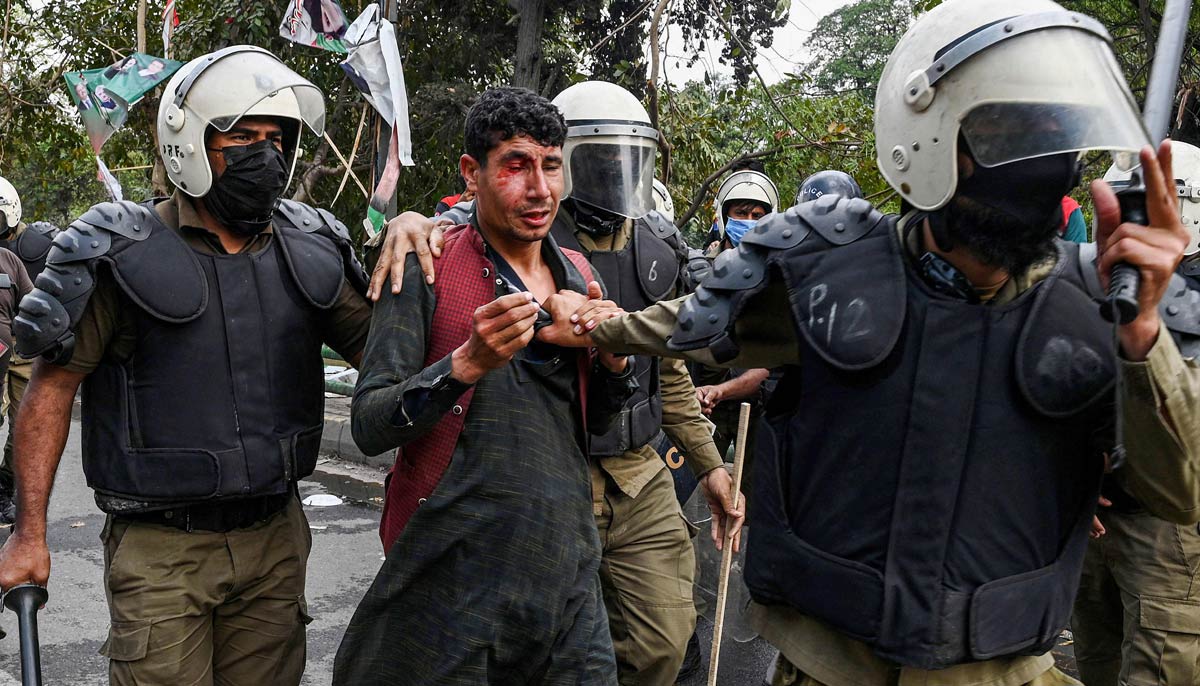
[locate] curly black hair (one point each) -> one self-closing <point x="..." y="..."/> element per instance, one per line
<point x="502" y="113"/>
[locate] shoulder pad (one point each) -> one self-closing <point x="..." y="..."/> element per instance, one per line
<point x="839" y="220"/>
<point x="1065" y="358"/>
<point x="704" y="319"/>
<point x="778" y="231"/>
<point x="123" y="218"/>
<point x="660" y="225"/>
<point x="657" y="262"/>
<point x="35" y="241"/>
<point x="1180" y="307"/>
<point x="150" y="263"/>
<point x="301" y="216"/>
<point x="310" y="220"/>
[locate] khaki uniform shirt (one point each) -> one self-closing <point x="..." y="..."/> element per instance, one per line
<point x="106" y="329"/>
<point x="682" y="419"/>
<point x="1162" y="428"/>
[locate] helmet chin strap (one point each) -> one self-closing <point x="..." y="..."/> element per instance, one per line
<point x="594" y="220"/>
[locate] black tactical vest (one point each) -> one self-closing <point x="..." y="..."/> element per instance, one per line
<point x="223" y="395"/>
<point x="926" y="476"/>
<point x="31" y="246"/>
<point x="645" y="272"/>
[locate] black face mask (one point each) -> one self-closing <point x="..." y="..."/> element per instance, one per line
<point x="243" y="198"/>
<point x="1007" y="216"/>
<point x="596" y="221"/>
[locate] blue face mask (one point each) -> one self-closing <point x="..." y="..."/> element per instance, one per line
<point x="736" y="228"/>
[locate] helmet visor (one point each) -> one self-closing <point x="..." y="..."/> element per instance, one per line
<point x="615" y="173"/>
<point x="262" y="86"/>
<point x="1068" y="96"/>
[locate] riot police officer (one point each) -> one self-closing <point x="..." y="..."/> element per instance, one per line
<point x="30" y="243"/>
<point x="743" y="198"/>
<point x="929" y="465"/>
<point x="198" y="346"/>
<point x="1134" y="618"/>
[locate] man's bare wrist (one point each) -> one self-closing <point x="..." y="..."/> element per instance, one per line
<point x="462" y="369"/>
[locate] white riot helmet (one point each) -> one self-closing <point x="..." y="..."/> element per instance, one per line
<point x="662" y="201"/>
<point x="1185" y="162"/>
<point x="10" y="204"/>
<point x="217" y="90"/>
<point x="1017" y="78"/>
<point x="745" y="185"/>
<point x="608" y="157"/>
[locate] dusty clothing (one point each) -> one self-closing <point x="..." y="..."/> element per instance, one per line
<point x="205" y="607"/>
<point x="492" y="579"/>
<point x="1137" y="614"/>
<point x="1160" y="459"/>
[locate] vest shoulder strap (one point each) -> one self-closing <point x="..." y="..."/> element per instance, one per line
<point x="320" y="222"/>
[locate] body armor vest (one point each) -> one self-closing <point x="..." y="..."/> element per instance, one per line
<point x="646" y="271"/>
<point x="223" y="395"/>
<point x="926" y="475"/>
<point x="31" y="246"/>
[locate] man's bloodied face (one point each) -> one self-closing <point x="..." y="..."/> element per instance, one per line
<point x="518" y="188"/>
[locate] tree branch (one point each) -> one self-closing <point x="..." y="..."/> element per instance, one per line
<point x="698" y="197"/>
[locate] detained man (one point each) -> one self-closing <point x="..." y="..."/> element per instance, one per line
<point x="491" y="571"/>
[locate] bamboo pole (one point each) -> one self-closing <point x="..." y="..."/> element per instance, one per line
<point x="739" y="459"/>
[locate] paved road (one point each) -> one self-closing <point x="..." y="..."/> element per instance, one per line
<point x="346" y="554"/>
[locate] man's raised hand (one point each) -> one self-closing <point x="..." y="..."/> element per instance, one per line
<point x="500" y="328"/>
<point x="1155" y="250"/>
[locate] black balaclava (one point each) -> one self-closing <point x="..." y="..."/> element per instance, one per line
<point x="243" y="198"/>
<point x="1007" y="216"/>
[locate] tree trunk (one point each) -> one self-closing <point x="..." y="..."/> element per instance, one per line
<point x="527" y="63"/>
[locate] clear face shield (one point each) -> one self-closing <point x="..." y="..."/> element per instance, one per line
<point x="1065" y="94"/>
<point x="611" y="172"/>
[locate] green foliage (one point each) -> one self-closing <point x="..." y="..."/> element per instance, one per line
<point x="850" y="45"/>
<point x="710" y="126"/>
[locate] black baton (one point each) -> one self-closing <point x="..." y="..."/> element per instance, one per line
<point x="25" y="601"/>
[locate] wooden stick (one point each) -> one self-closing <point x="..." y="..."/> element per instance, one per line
<point x="739" y="455"/>
<point x="353" y="154"/>
<point x="346" y="164"/>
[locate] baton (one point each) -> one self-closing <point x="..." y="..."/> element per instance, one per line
<point x="739" y="455"/>
<point x="25" y="601"/>
<point x="1125" y="280"/>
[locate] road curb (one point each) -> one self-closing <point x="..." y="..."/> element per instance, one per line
<point x="337" y="441"/>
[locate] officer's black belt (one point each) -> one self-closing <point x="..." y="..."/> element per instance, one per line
<point x="222" y="517"/>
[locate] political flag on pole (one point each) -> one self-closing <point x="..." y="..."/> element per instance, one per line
<point x="315" y="23"/>
<point x="170" y="19"/>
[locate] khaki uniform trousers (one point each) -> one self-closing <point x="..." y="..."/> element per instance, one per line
<point x="646" y="575"/>
<point x="1137" y="614"/>
<point x="15" y="383"/>
<point x="207" y="608"/>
